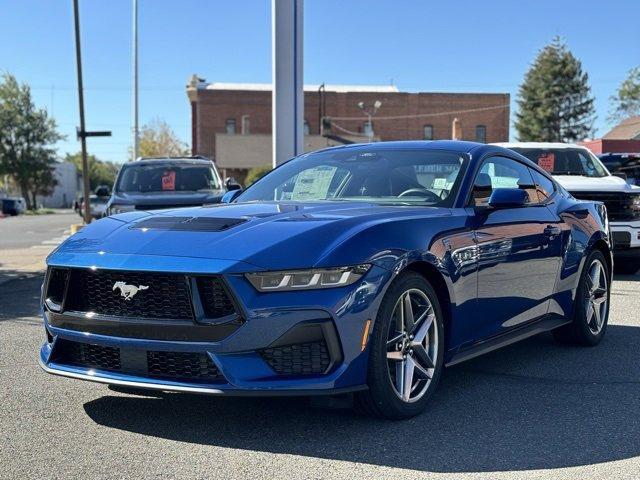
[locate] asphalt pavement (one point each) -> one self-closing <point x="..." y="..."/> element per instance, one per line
<point x="533" y="410"/>
<point x="29" y="230"/>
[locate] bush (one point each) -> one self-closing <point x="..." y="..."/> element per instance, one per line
<point x="256" y="173"/>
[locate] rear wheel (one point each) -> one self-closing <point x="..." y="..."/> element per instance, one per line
<point x="591" y="311"/>
<point x="406" y="350"/>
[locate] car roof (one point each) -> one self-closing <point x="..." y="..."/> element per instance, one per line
<point x="543" y="145"/>
<point x="458" y="146"/>
<point x="174" y="160"/>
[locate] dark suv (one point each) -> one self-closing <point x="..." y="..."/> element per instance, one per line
<point x="625" y="164"/>
<point x="167" y="182"/>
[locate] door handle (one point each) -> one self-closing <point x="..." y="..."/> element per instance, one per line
<point x="551" y="231"/>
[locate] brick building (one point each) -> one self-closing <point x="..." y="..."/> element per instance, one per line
<point x="231" y="123"/>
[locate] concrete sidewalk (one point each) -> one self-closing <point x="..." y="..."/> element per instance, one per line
<point x="23" y="262"/>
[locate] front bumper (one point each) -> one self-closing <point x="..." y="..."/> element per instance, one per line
<point x="244" y="358"/>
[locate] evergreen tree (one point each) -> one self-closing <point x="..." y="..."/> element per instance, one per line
<point x="555" y="102"/>
<point x="626" y="102"/>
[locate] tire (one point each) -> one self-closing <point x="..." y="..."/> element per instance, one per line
<point x="406" y="352"/>
<point x="589" y="322"/>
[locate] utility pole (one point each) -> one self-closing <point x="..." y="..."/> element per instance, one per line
<point x="82" y="132"/>
<point x="136" y="138"/>
<point x="288" y="96"/>
<point x="370" y="111"/>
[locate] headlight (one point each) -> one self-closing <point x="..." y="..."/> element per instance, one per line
<point x="114" y="209"/>
<point x="306" y="279"/>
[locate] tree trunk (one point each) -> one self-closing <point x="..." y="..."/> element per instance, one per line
<point x="24" y="191"/>
<point x="34" y="202"/>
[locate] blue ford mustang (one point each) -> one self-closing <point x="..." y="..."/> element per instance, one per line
<point x="363" y="269"/>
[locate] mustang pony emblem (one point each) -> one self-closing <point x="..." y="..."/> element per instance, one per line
<point x="128" y="291"/>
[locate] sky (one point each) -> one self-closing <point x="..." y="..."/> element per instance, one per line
<point x="439" y="46"/>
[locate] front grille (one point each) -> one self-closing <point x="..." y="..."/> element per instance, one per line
<point x="299" y="359"/>
<point x="165" y="295"/>
<point x="56" y="285"/>
<point x="620" y="206"/>
<point x="178" y="366"/>
<point x="87" y="355"/>
<point x="621" y="239"/>
<point x="182" y="365"/>
<point x="214" y="297"/>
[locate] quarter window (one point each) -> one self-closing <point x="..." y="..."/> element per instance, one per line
<point x="544" y="186"/>
<point x="501" y="172"/>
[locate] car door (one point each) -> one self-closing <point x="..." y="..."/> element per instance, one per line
<point x="516" y="268"/>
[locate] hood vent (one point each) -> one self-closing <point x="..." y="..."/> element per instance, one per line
<point x="188" y="224"/>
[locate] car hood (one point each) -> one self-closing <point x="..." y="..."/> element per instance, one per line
<point x="574" y="183"/>
<point x="165" y="198"/>
<point x="270" y="235"/>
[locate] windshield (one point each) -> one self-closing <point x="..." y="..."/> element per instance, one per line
<point x="167" y="178"/>
<point x="565" y="161"/>
<point x="397" y="177"/>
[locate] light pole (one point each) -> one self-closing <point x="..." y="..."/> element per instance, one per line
<point x="136" y="138"/>
<point x="370" y="111"/>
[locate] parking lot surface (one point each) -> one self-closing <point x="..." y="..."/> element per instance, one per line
<point x="533" y="410"/>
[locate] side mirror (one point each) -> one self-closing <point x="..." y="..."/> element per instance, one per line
<point x="232" y="184"/>
<point x="231" y="195"/>
<point x="620" y="175"/>
<point x="508" y="198"/>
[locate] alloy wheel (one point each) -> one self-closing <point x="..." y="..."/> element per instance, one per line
<point x="596" y="301"/>
<point x="412" y="345"/>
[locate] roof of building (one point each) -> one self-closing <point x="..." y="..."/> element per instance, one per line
<point x="307" y="88"/>
<point x="628" y="129"/>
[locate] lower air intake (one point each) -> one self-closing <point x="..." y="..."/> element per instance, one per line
<point x="300" y="359"/>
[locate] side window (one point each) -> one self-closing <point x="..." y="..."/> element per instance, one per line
<point x="501" y="172"/>
<point x="544" y="186"/>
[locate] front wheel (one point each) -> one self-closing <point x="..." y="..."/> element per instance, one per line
<point x="406" y="350"/>
<point x="591" y="311"/>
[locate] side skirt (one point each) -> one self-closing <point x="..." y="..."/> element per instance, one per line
<point x="544" y="324"/>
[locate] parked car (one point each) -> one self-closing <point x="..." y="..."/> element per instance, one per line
<point x="585" y="177"/>
<point x="13" y="205"/>
<point x="167" y="182"/>
<point x="97" y="204"/>
<point x="358" y="269"/>
<point x="627" y="165"/>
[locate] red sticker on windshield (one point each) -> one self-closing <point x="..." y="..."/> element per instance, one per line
<point x="169" y="180"/>
<point x="546" y="161"/>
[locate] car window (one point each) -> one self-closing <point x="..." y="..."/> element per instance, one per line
<point x="402" y="177"/>
<point x="167" y="178"/>
<point x="544" y="186"/>
<point x="565" y="161"/>
<point x="501" y="172"/>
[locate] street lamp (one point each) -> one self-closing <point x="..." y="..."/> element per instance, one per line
<point x="370" y="111"/>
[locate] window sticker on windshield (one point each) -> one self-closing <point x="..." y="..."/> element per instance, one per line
<point x="169" y="180"/>
<point x="546" y="161"/>
<point x="313" y="183"/>
<point x="440" y="183"/>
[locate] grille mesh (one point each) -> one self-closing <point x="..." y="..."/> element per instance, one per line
<point x="215" y="300"/>
<point x="619" y="205"/>
<point x="299" y="359"/>
<point x="167" y="295"/>
<point x="87" y="355"/>
<point x="182" y="365"/>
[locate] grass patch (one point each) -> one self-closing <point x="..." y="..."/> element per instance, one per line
<point x="40" y="211"/>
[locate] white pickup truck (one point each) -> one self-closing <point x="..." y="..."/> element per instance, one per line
<point x="581" y="173"/>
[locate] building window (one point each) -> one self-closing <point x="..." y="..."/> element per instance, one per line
<point x="245" y="125"/>
<point x="428" y="132"/>
<point x="481" y="134"/>
<point x="367" y="129"/>
<point x="231" y="126"/>
<point x="305" y="128"/>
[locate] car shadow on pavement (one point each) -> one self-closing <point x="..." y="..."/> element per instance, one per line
<point x="534" y="405"/>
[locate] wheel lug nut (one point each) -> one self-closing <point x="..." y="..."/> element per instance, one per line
<point x="411" y="351"/>
<point x="404" y="357"/>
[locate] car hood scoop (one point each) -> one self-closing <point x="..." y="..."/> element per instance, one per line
<point x="187" y="224"/>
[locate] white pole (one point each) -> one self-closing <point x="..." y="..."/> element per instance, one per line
<point x="288" y="95"/>
<point x="136" y="140"/>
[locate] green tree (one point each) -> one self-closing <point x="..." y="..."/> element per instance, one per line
<point x="626" y="102"/>
<point x="256" y="173"/>
<point x="555" y="101"/>
<point x="27" y="138"/>
<point x="157" y="139"/>
<point x="100" y="172"/>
